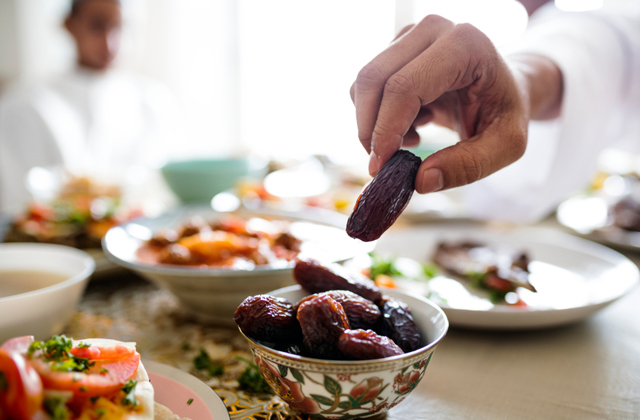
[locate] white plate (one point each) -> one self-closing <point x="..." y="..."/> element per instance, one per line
<point x="588" y="216"/>
<point x="574" y="277"/>
<point x="174" y="389"/>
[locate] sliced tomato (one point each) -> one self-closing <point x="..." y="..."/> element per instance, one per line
<point x="114" y="352"/>
<point x="107" y="376"/>
<point x="18" y="345"/>
<point x="21" y="392"/>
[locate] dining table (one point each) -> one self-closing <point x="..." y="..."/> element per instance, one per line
<point x="586" y="370"/>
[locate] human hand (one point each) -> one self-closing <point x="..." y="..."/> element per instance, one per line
<point x="451" y="75"/>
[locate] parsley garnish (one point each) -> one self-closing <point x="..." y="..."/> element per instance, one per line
<point x="84" y="345"/>
<point x="100" y="412"/>
<point x="57" y="350"/>
<point x="56" y="408"/>
<point x="381" y="265"/>
<point x="104" y="371"/>
<point x="129" y="390"/>
<point x="252" y="380"/>
<point x="4" y="384"/>
<point x="203" y="362"/>
<point x="189" y="401"/>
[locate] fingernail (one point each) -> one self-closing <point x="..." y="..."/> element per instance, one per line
<point x="373" y="164"/>
<point x="432" y="181"/>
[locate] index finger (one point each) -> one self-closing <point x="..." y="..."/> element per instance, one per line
<point x="448" y="64"/>
<point x="369" y="85"/>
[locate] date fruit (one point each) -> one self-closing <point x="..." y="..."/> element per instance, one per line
<point x="385" y="198"/>
<point x="361" y="312"/>
<point x="398" y="324"/>
<point x="366" y="344"/>
<point x="323" y="321"/>
<point x="266" y="318"/>
<point x="317" y="278"/>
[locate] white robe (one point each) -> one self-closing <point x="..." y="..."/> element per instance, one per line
<point x="97" y="124"/>
<point x="599" y="55"/>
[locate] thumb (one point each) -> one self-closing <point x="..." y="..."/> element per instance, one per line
<point x="472" y="159"/>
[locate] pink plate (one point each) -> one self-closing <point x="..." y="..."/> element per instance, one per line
<point x="174" y="388"/>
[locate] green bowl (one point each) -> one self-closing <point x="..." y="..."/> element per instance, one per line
<point x="199" y="180"/>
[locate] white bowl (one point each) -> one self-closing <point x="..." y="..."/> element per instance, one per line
<point x="212" y="295"/>
<point x="43" y="311"/>
<point x="336" y="389"/>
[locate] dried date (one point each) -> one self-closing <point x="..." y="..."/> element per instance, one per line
<point x="322" y="321"/>
<point x="361" y="312"/>
<point x="385" y="198"/>
<point x="266" y="318"/>
<point x="317" y="278"/>
<point x="398" y="324"/>
<point x="366" y="344"/>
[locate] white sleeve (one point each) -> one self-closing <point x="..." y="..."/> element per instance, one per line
<point x="599" y="56"/>
<point x="25" y="142"/>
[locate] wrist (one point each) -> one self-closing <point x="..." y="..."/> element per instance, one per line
<point x="541" y="82"/>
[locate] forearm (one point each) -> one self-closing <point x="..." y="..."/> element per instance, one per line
<point x="542" y="84"/>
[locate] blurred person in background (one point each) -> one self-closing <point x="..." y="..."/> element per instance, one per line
<point x="570" y="89"/>
<point x="94" y="120"/>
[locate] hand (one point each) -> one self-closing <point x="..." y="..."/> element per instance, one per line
<point x="451" y="75"/>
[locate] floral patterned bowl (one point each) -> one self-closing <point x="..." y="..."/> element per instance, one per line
<point x="336" y="389"/>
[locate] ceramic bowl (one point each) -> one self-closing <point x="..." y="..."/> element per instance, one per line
<point x="47" y="308"/>
<point x="199" y="180"/>
<point x="334" y="389"/>
<point x="212" y="295"/>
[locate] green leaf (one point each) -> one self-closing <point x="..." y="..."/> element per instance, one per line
<point x="430" y="270"/>
<point x="345" y="405"/>
<point x="129" y="390"/>
<point x="56" y="408"/>
<point x="322" y="399"/>
<point x="203" y="362"/>
<point x="332" y="386"/>
<point x="283" y="370"/>
<point x="252" y="379"/>
<point x="428" y="360"/>
<point x="296" y="374"/>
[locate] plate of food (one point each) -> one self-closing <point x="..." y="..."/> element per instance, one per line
<point x="609" y="214"/>
<point x="78" y="215"/>
<point x="93" y="379"/>
<point x="212" y="260"/>
<point x="490" y="278"/>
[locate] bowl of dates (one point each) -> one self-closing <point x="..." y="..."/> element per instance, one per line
<point x="335" y="346"/>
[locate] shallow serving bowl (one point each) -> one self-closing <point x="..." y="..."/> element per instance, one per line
<point x="47" y="308"/>
<point x="336" y="389"/>
<point x="212" y="295"/>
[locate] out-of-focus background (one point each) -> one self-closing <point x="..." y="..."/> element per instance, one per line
<point x="237" y="68"/>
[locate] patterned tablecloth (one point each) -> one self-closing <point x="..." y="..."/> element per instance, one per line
<point x="127" y="308"/>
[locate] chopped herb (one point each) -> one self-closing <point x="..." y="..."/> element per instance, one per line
<point x="189" y="401"/>
<point x="84" y="345"/>
<point x="57" y="350"/>
<point x="56" y="408"/>
<point x="430" y="270"/>
<point x="100" y="412"/>
<point x="83" y="389"/>
<point x="104" y="371"/>
<point x="4" y="384"/>
<point x="94" y="399"/>
<point x="476" y="279"/>
<point x="252" y="380"/>
<point x="382" y="265"/>
<point x="203" y="362"/>
<point x="129" y="390"/>
<point x="496" y="296"/>
<point x="186" y="346"/>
